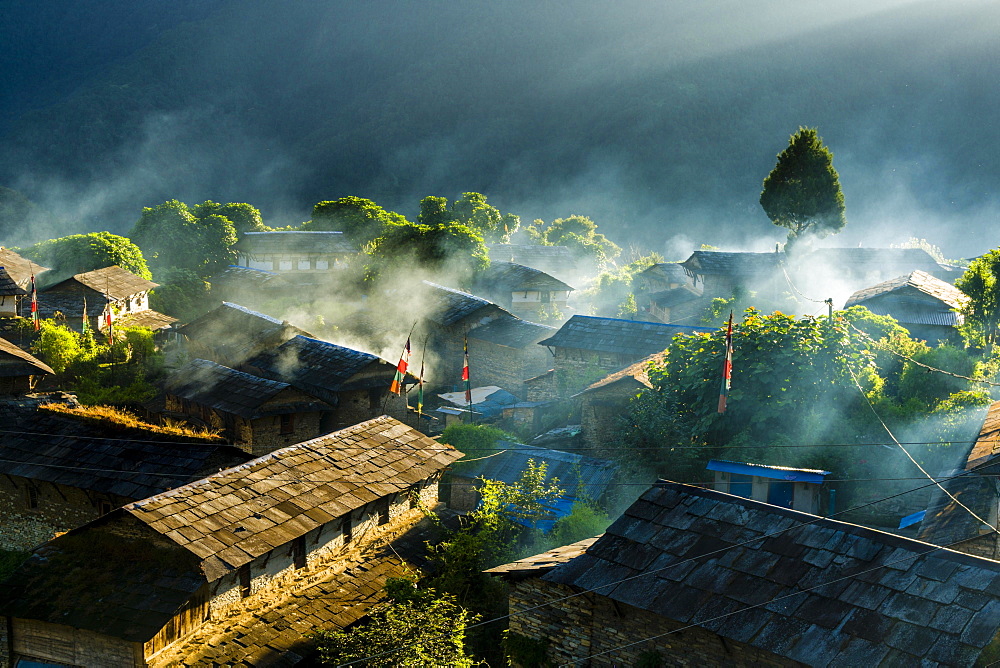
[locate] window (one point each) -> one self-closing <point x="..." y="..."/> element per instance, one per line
<point x="104" y="507"/>
<point x="244" y="575"/>
<point x="382" y="507"/>
<point x="303" y="265"/>
<point x="285" y="265"/>
<point x="299" y="552"/>
<point x="30" y="497"/>
<point x="322" y="264"/>
<point x="347" y="528"/>
<point x="287" y="423"/>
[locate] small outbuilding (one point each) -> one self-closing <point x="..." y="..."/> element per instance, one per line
<point x="798" y="489"/>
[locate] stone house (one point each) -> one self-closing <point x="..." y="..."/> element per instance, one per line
<point x="666" y="293"/>
<point x="581" y="477"/>
<point x="505" y="352"/>
<point x="923" y="304"/>
<point x="587" y="348"/>
<point x="691" y="576"/>
<point x="58" y="472"/>
<point x="231" y="334"/>
<point x="524" y="291"/>
<point x="20" y="269"/>
<point x="798" y="489"/>
<point x="11" y="295"/>
<point x="725" y="274"/>
<point x="974" y="485"/>
<point x="19" y="370"/>
<point x="111" y="289"/>
<point x="133" y="586"/>
<point x="604" y="402"/>
<point x="356" y="384"/>
<point x="294" y="251"/>
<point x="255" y="414"/>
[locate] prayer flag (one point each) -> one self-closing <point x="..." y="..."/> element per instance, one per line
<point x="727" y="367"/>
<point x="107" y="322"/>
<point x="465" y="374"/>
<point x="420" y="390"/>
<point x="34" y="304"/>
<point x="84" y="325"/>
<point x="404" y="362"/>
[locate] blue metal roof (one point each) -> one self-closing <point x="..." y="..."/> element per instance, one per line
<point x="764" y="471"/>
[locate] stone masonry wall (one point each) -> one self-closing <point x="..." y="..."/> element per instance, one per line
<point x="585" y="626"/>
<point x="267" y="436"/>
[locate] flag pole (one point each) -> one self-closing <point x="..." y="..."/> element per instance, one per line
<point x="420" y="381"/>
<point x="727" y="367"/>
<point x="467" y="379"/>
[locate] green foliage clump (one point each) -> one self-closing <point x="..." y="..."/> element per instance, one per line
<point x="417" y="627"/>
<point x="451" y="248"/>
<point x="802" y="192"/>
<point x="199" y="239"/>
<point x="613" y="291"/>
<point x="474" y="440"/>
<point x="80" y="253"/>
<point x="578" y="233"/>
<point x="585" y="520"/>
<point x="360" y="219"/>
<point x="981" y="283"/>
<point x="182" y="293"/>
<point x="471" y="210"/>
<point x="526" y="652"/>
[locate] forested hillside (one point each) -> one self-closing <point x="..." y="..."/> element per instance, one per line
<point x="649" y="119"/>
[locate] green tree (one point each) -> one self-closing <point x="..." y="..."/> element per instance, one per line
<point x="802" y="192"/>
<point x="452" y="248"/>
<point x="174" y="238"/>
<point x="79" y="253"/>
<point x="471" y="210"/>
<point x="360" y="219"/>
<point x="415" y="628"/>
<point x="981" y="283"/>
<point x="579" y="233"/>
<point x="182" y="293"/>
<point x="244" y="217"/>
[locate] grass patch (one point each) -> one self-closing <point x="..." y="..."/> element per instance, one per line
<point x="109" y="416"/>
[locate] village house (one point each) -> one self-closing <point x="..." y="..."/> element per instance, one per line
<point x="582" y="478"/>
<point x="20" y="269"/>
<point x="354" y="383"/>
<point x="255" y="414"/>
<point x="724" y="273"/>
<point x="195" y="575"/>
<point x="524" y="291"/>
<point x="19" y="370"/>
<point x="798" y="489"/>
<point x="604" y="403"/>
<point x="587" y="348"/>
<point x="505" y="352"/>
<point x="925" y="305"/>
<point x="294" y="251"/>
<point x="691" y="576"/>
<point x="973" y="485"/>
<point x="109" y="290"/>
<point x="556" y="261"/>
<point x="231" y="334"/>
<point x="59" y="471"/>
<point x="665" y="293"/>
<point x="11" y="295"/>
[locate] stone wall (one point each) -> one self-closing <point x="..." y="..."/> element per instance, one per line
<point x="601" y="412"/>
<point x="57" y="508"/>
<point x="267" y="436"/>
<point x="583" y="627"/>
<point x="60" y="644"/>
<point x="506" y="367"/>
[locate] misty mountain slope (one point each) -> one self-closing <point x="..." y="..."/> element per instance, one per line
<point x="646" y="119"/>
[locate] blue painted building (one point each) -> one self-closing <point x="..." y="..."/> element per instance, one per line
<point x="798" y="489"/>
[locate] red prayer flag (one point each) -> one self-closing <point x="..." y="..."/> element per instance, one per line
<point x="404" y="362"/>
<point x="465" y="374"/>
<point x="107" y="322"/>
<point x="727" y="367"/>
<point x="34" y="304"/>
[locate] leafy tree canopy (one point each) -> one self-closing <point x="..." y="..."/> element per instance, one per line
<point x="173" y="237"/>
<point x="981" y="283"/>
<point x="244" y="217"/>
<point x="182" y="293"/>
<point x="360" y="219"/>
<point x="802" y="192"/>
<point x="579" y="233"/>
<point x="451" y="249"/>
<point x="78" y="253"/>
<point x="471" y="210"/>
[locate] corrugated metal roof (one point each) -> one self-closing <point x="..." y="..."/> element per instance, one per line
<point x="768" y="471"/>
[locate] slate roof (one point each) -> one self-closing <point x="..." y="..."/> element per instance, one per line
<point x="573" y="470"/>
<point x="17" y="362"/>
<point x="234" y="516"/>
<point x="556" y="260"/>
<point x="295" y="241"/>
<point x="666" y="272"/>
<point x="236" y="333"/>
<point x="448" y="306"/>
<point x="736" y="263"/>
<point x="901" y="260"/>
<point x="96" y="578"/>
<point x="973" y="485"/>
<point x="244" y="277"/>
<point x="19" y="268"/>
<point x="909" y="313"/>
<point x="634" y="374"/>
<point x="674" y="297"/>
<point x="915" y="282"/>
<point x="612" y="335"/>
<point x="321" y="368"/>
<point x="231" y="391"/>
<point x="112" y="281"/>
<point x="149" y="319"/>
<point x="8" y="287"/>
<point x="512" y="332"/>
<point x="539" y="564"/>
<point x="127" y="462"/>
<point x="513" y="277"/>
<point x="829" y="593"/>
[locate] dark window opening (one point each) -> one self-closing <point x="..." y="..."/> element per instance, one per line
<point x="30" y="497"/>
<point x="299" y="552"/>
<point x="244" y="573"/>
<point x="287" y="424"/>
<point x="104" y="507"/>
<point x="383" y="511"/>
<point x="347" y="529"/>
